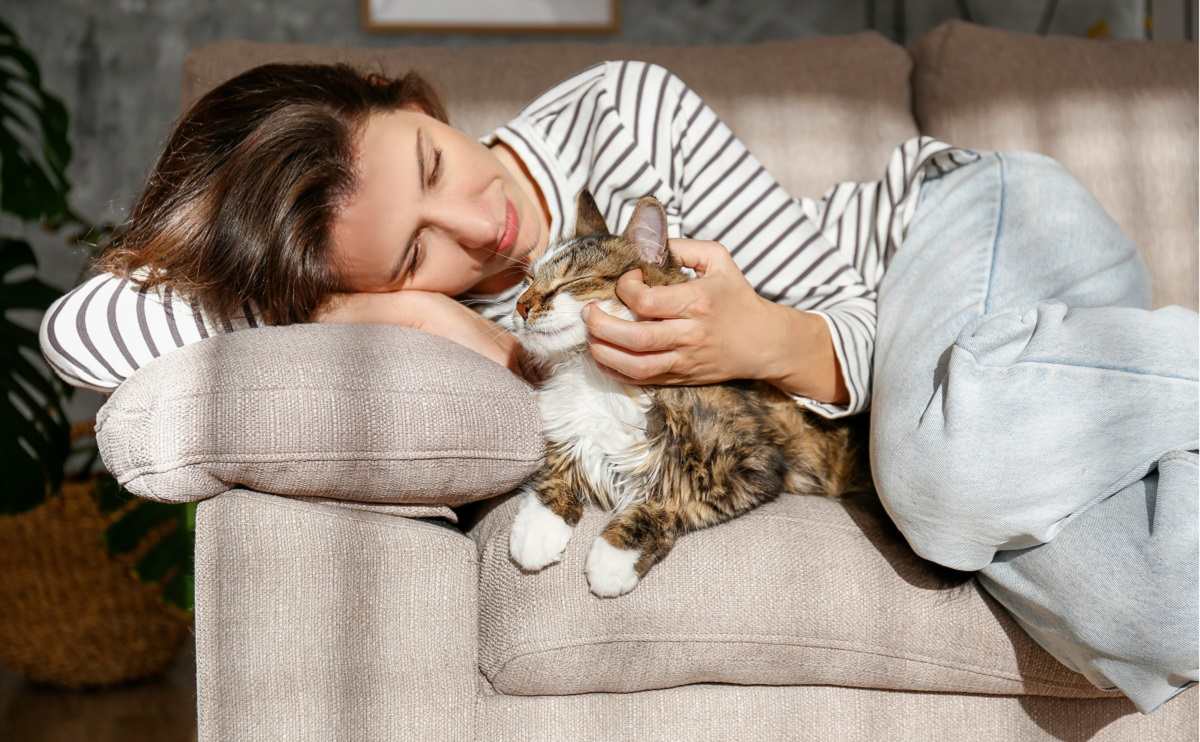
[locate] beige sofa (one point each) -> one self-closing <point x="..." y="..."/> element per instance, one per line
<point x="370" y="596"/>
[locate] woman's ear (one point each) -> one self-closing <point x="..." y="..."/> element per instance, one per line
<point x="647" y="229"/>
<point x="414" y="107"/>
<point x="588" y="219"/>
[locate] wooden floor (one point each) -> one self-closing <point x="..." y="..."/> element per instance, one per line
<point x="160" y="710"/>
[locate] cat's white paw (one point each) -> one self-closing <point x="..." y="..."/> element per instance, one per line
<point x="539" y="536"/>
<point x="610" y="570"/>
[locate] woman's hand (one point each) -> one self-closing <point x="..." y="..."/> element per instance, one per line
<point x="713" y="329"/>
<point x="430" y="312"/>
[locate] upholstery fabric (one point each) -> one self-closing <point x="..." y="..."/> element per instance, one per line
<point x="1121" y="115"/>
<point x="707" y="713"/>
<point x="319" y="622"/>
<point x="814" y="111"/>
<point x="322" y="622"/>
<point x="368" y="413"/>
<point x="802" y="590"/>
<point x="316" y="622"/>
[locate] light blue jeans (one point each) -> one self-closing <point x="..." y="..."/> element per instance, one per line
<point x="1034" y="421"/>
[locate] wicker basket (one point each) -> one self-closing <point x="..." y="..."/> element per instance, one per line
<point x="72" y="615"/>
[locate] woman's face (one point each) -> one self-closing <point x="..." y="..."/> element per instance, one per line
<point x="434" y="210"/>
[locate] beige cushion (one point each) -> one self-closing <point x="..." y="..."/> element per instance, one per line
<point x="371" y="413"/>
<point x="1120" y="115"/>
<point x="803" y="590"/>
<point x="814" y="111"/>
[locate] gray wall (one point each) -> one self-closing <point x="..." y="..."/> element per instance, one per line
<point x="117" y="65"/>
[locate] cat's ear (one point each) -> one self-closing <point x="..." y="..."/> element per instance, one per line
<point x="588" y="219"/>
<point x="647" y="229"/>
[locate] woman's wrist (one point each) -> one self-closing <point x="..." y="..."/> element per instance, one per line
<point x="801" y="359"/>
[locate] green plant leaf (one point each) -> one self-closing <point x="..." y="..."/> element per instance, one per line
<point x="163" y="556"/>
<point x="35" y="151"/>
<point x="124" y="534"/>
<point x="35" y="147"/>
<point x="34" y="430"/>
<point x="110" y="495"/>
<point x="171" y="560"/>
<point x="180" y="591"/>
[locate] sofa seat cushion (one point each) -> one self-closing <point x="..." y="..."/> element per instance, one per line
<point x="803" y="590"/>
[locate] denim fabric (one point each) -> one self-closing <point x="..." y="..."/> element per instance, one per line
<point x="1035" y="421"/>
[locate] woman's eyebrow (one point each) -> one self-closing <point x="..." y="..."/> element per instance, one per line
<point x="421" y="158"/>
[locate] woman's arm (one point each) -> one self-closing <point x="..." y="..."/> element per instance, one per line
<point x="434" y="313"/>
<point x="717" y="192"/>
<point x="99" y="333"/>
<point x="715" y="328"/>
<point x="106" y="328"/>
<point x="817" y="375"/>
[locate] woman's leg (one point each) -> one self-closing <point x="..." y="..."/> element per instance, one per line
<point x="1114" y="595"/>
<point x="1019" y="381"/>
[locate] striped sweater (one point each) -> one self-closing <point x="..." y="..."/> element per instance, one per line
<point x="622" y="129"/>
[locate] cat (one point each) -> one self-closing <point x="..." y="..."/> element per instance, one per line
<point x="663" y="460"/>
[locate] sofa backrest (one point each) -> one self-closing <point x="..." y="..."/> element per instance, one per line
<point x="815" y="111"/>
<point x="1120" y="115"/>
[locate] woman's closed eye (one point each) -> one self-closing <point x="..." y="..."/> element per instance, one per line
<point x="418" y="250"/>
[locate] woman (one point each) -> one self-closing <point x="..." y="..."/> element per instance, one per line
<point x="1026" y="399"/>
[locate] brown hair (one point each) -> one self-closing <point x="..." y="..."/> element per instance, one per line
<point x="241" y="203"/>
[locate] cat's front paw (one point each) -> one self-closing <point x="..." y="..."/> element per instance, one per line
<point x="539" y="535"/>
<point x="610" y="570"/>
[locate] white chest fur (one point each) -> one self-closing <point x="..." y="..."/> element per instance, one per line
<point x="602" y="423"/>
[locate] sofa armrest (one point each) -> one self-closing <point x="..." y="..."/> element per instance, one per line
<point x="373" y="413"/>
<point x="318" y="622"/>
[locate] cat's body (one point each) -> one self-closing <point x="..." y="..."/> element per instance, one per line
<point x="664" y="460"/>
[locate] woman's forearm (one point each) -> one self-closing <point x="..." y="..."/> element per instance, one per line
<point x="429" y="312"/>
<point x="801" y="358"/>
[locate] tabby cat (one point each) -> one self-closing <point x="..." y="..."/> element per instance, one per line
<point x="663" y="460"/>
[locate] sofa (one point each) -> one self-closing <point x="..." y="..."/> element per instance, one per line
<point x="355" y="484"/>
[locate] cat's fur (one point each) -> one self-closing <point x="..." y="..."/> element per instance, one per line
<point x="664" y="460"/>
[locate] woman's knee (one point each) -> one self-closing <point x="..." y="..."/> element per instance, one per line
<point x="933" y="465"/>
<point x="1056" y="240"/>
<point x="917" y="469"/>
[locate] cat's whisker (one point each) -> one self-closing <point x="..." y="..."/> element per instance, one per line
<point x="481" y="302"/>
<point x="509" y="258"/>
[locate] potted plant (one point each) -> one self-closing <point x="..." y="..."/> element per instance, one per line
<point x="95" y="584"/>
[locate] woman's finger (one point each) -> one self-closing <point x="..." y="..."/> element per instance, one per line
<point x="636" y="368"/>
<point x="637" y="336"/>
<point x="655" y="302"/>
<point x="700" y="255"/>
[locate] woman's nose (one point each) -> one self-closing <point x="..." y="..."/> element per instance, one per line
<point x="472" y="224"/>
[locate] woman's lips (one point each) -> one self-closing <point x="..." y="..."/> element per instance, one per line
<point x="511" y="227"/>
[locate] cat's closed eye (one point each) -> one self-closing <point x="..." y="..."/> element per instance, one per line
<point x="560" y="286"/>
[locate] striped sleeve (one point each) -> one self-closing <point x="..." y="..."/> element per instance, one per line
<point x="869" y="220"/>
<point x="723" y="193"/>
<point x="624" y="129"/>
<point x="99" y="333"/>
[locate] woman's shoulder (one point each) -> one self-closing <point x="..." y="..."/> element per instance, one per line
<point x="629" y="82"/>
<point x="566" y="91"/>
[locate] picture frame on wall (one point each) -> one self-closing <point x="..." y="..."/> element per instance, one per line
<point x="478" y="16"/>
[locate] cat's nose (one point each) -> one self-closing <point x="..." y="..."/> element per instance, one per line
<point x="522" y="307"/>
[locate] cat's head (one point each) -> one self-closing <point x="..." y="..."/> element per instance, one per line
<point x="585" y="268"/>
